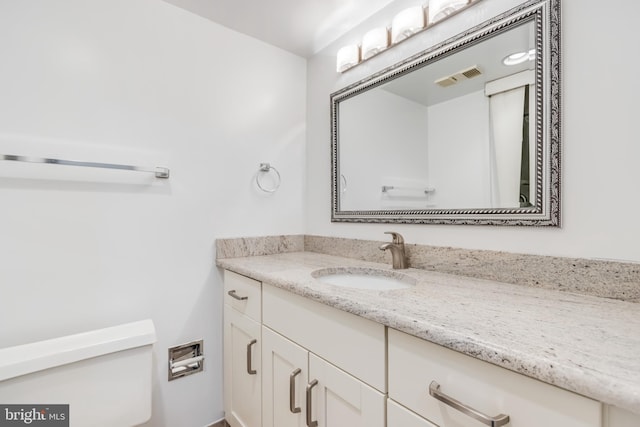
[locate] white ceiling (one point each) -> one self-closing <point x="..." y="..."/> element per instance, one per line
<point x="419" y="85"/>
<point x="302" y="27"/>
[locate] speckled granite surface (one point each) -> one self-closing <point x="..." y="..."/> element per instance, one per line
<point x="251" y="246"/>
<point x="607" y="279"/>
<point x="581" y="343"/>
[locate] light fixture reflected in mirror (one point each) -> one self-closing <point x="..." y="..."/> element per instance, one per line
<point x="519" y="57"/>
<point x="374" y="42"/>
<point x="407" y="23"/>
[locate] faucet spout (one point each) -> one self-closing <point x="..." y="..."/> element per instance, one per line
<point x="396" y="247"/>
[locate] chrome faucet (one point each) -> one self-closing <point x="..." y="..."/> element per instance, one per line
<point x="398" y="257"/>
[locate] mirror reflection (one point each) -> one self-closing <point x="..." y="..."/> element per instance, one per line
<point x="450" y="134"/>
<point x="454" y="134"/>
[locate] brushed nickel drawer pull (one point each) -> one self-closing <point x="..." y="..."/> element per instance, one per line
<point x="497" y="421"/>
<point x="232" y="294"/>
<point x="250" y="371"/>
<point x="292" y="392"/>
<point x="310" y="386"/>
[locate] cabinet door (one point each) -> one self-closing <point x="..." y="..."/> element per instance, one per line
<point x="242" y="369"/>
<point x="284" y="378"/>
<point x="340" y="400"/>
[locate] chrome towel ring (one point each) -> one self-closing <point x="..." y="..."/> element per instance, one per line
<point x="265" y="168"/>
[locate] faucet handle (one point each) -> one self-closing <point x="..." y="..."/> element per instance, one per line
<point x="397" y="237"/>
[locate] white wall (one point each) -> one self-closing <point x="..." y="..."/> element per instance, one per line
<point x="375" y="149"/>
<point x="138" y="81"/>
<point x="600" y="149"/>
<point x="374" y="153"/>
<point x="459" y="156"/>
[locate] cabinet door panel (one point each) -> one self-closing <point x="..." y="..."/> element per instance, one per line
<point x="415" y="363"/>
<point x="340" y="400"/>
<point x="242" y="390"/>
<point x="281" y="359"/>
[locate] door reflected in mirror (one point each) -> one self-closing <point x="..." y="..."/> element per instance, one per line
<point x="460" y="135"/>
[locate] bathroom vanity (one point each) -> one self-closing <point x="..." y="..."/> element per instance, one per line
<point x="445" y="351"/>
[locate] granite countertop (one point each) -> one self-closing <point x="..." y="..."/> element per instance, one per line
<point x="581" y="343"/>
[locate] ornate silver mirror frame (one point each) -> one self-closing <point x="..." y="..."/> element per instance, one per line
<point x="545" y="209"/>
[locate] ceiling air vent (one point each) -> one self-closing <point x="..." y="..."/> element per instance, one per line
<point x="471" y="72"/>
<point x="446" y="81"/>
<point x="465" y="74"/>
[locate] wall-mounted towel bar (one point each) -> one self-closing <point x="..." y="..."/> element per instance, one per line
<point x="159" y="172"/>
<point x="426" y="190"/>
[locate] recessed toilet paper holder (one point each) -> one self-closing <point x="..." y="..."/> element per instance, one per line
<point x="185" y="359"/>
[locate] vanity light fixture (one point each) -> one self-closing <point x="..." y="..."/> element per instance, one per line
<point x="519" y="57"/>
<point x="347" y="57"/>
<point x="374" y="42"/>
<point x="407" y="23"/>
<point x="440" y="9"/>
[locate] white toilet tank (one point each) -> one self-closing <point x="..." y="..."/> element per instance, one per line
<point x="105" y="375"/>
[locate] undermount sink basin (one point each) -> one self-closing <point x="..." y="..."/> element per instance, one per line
<point x="364" y="278"/>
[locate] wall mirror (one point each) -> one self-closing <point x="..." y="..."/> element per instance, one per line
<point x="466" y="132"/>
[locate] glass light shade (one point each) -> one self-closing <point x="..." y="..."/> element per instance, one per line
<point x="347" y="57"/>
<point x="439" y="9"/>
<point x="375" y="41"/>
<point x="516" y="58"/>
<point x="407" y="23"/>
<point x="520" y="57"/>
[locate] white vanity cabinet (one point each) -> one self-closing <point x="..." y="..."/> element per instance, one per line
<point x="323" y="361"/>
<point x="290" y="361"/>
<point x="242" y="351"/>
<point x="416" y="366"/>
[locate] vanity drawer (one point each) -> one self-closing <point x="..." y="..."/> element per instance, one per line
<point x="414" y="363"/>
<point x="243" y="294"/>
<point x="397" y="416"/>
<point x="350" y="342"/>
